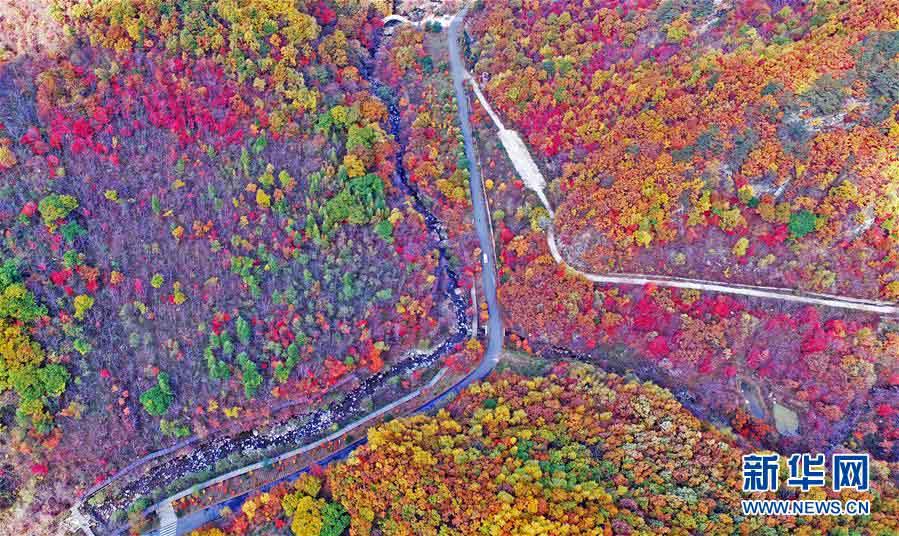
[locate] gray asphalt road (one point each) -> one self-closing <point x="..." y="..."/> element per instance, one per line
<point x="495" y="333"/>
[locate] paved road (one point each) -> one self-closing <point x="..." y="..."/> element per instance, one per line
<point x="495" y="330"/>
<point x="752" y="291"/>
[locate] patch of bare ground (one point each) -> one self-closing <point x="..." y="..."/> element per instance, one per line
<point x="27" y="27"/>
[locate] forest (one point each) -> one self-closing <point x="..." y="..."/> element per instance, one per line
<point x="233" y="229"/>
<point x="608" y="101"/>
<point x="574" y="451"/>
<point x="735" y="140"/>
<point x="202" y="225"/>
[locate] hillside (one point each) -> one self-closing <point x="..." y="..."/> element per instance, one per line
<point x="578" y="451"/>
<point x="743" y="141"/>
<point x="721" y="143"/>
<point x="205" y="231"/>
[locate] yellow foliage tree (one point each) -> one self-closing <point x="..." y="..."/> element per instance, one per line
<point x="354" y="165"/>
<point x="307" y="518"/>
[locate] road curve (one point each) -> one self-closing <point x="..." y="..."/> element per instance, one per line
<point x="777" y="293"/>
<point x="623" y="278"/>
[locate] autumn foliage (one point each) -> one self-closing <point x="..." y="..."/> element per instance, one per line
<point x="747" y="140"/>
<point x="578" y="451"/>
<point x="202" y="205"/>
<point x="656" y="124"/>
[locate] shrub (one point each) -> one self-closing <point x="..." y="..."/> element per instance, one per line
<point x="157" y="399"/>
<point x="801" y="223"/>
<point x="156" y="281"/>
<point x="15" y="300"/>
<point x="53" y="378"/>
<point x="251" y="377"/>
<point x="244" y="331"/>
<point x="83" y="303"/>
<point x="82" y="346"/>
<point x="335" y="519"/>
<point x="55" y="207"/>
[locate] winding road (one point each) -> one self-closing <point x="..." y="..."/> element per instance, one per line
<point x="533" y="179"/>
<point x="530" y="173"/>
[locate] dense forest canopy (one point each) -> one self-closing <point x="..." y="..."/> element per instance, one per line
<point x="201" y="224"/>
<point x="577" y="451"/>
<point x="233" y="229"/>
